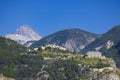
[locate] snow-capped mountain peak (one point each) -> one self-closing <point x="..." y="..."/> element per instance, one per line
<point x="24" y="34"/>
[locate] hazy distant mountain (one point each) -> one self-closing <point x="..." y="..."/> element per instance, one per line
<point x="24" y="34"/>
<point x="72" y="39"/>
<point x="106" y="41"/>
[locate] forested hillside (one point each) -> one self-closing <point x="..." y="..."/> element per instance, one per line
<point x="10" y="52"/>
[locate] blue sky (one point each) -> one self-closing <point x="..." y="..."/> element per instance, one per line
<point x="49" y="16"/>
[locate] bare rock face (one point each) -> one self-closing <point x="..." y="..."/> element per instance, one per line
<point x="24" y="34"/>
<point x="98" y="48"/>
<point x="109" y="44"/>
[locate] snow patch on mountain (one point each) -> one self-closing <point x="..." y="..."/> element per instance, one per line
<point x="24" y="34"/>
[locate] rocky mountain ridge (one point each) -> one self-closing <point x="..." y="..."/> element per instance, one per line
<point x="106" y="41"/>
<point x="72" y="39"/>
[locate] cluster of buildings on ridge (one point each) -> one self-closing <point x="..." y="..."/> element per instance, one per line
<point x="94" y="54"/>
<point x="53" y="46"/>
<point x="89" y="54"/>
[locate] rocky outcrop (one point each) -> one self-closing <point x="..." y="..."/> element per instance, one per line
<point x="109" y="44"/>
<point x="106" y="73"/>
<point x="5" y="78"/>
